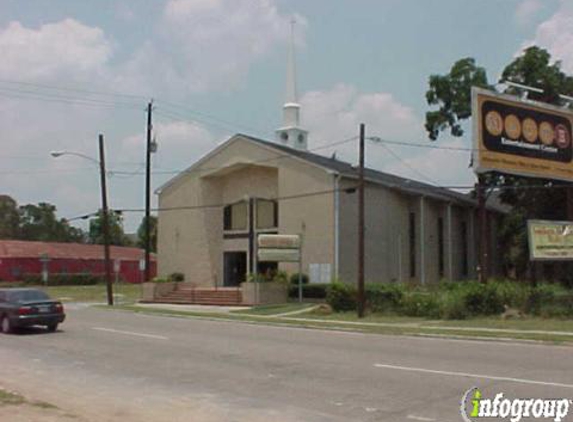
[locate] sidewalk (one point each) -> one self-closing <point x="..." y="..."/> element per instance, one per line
<point x="193" y="308"/>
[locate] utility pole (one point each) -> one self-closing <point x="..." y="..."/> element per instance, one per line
<point x="105" y="223"/>
<point x="361" y="298"/>
<point x="147" y="276"/>
<point x="483" y="243"/>
<point x="570" y="203"/>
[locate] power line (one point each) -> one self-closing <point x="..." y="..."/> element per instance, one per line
<point x="412" y="168"/>
<point x="420" y="145"/>
<point x="264" y="160"/>
<point x="220" y="205"/>
<point x="349" y="190"/>
<point x="65" y="97"/>
<point x="125" y="174"/>
<point x="205" y="118"/>
<point x="208" y="206"/>
<point x="42" y="93"/>
<point x="69" y="89"/>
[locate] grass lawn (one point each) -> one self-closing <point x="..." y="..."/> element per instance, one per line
<point x="275" y="309"/>
<point x="375" y="324"/>
<point x="8" y="398"/>
<point x="527" y="323"/>
<point x="352" y="317"/>
<point x="123" y="293"/>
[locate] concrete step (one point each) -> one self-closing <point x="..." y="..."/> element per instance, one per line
<point x="203" y="297"/>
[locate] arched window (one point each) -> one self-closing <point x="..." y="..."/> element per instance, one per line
<point x="235" y="216"/>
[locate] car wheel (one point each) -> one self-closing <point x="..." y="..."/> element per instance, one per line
<point x="52" y="327"/>
<point x="6" y="325"/>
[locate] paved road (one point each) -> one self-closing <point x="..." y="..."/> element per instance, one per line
<point x="114" y="365"/>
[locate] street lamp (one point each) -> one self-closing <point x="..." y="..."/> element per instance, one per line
<point x="105" y="211"/>
<point x="57" y="154"/>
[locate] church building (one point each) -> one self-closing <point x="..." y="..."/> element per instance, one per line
<point x="211" y="214"/>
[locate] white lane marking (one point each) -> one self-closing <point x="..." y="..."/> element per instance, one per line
<point x="129" y="333"/>
<point x="468" y="375"/>
<point x="420" y="418"/>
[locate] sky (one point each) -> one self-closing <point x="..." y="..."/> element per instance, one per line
<point x="71" y="70"/>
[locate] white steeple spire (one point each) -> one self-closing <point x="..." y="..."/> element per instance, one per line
<point x="291" y="92"/>
<point x="290" y="133"/>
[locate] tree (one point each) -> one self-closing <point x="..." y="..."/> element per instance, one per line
<point x="9" y="218"/>
<point x="152" y="233"/>
<point x="116" y="233"/>
<point x="39" y="222"/>
<point x="452" y="94"/>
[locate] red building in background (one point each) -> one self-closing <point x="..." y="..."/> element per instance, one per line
<point x="19" y="258"/>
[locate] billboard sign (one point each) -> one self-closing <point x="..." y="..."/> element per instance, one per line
<point x="518" y="137"/>
<point x="550" y="240"/>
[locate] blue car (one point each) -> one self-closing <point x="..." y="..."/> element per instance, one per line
<point x="28" y="307"/>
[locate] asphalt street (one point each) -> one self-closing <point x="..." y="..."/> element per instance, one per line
<point x="116" y="365"/>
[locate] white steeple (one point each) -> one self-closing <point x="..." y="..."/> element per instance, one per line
<point x="291" y="134"/>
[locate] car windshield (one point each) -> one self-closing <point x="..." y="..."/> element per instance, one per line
<point x="27" y="296"/>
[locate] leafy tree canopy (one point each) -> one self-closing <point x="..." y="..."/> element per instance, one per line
<point x="39" y="222"/>
<point x="9" y="218"/>
<point x="116" y="233"/>
<point x="152" y="230"/>
<point x="451" y="92"/>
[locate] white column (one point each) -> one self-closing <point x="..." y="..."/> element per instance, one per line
<point x="450" y="244"/>
<point x="472" y="258"/>
<point x="422" y="243"/>
<point x="336" y="223"/>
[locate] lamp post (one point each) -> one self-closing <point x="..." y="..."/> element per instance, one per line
<point x="105" y="211"/>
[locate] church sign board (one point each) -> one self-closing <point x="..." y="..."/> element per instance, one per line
<point x="550" y="240"/>
<point x="278" y="248"/>
<point x="523" y="138"/>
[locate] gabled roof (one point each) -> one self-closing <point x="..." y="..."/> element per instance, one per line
<point x="346" y="169"/>
<point x="55" y="250"/>
<point x="375" y="176"/>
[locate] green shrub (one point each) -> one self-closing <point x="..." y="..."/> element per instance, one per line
<point x="281" y="277"/>
<point x="309" y="291"/>
<point x="446" y="286"/>
<point x="511" y="293"/>
<point x="176" y="277"/>
<point x="161" y="280"/>
<point x="420" y="304"/>
<point x="550" y="301"/>
<point x="482" y="299"/>
<point x="456" y="300"/>
<point x="452" y="305"/>
<point x="384" y="297"/>
<point x="294" y="279"/>
<point x="274" y="277"/>
<point x="542" y="296"/>
<point x="64" y="279"/>
<point x="341" y="297"/>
